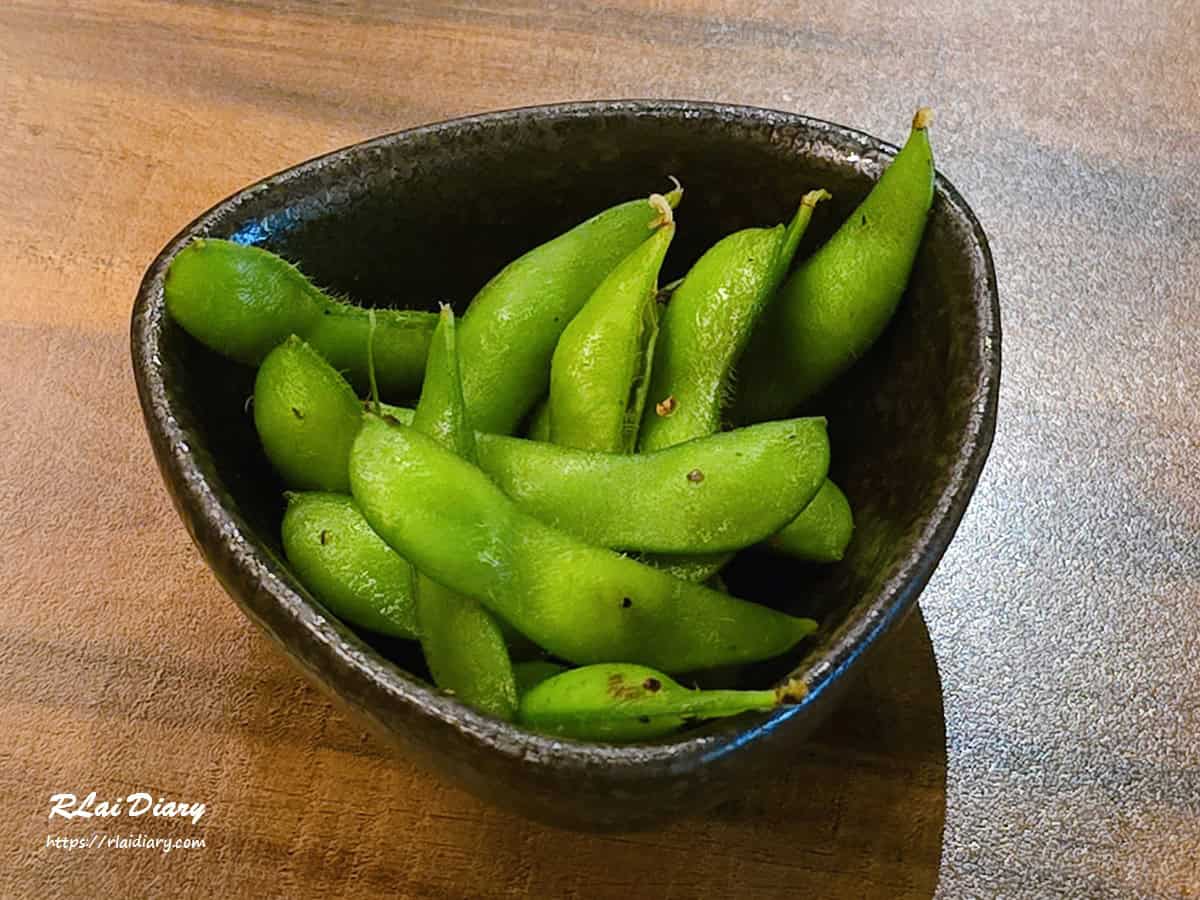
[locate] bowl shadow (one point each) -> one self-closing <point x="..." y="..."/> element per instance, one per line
<point x="856" y="812"/>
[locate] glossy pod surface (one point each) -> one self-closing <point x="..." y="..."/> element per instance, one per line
<point x="910" y="425"/>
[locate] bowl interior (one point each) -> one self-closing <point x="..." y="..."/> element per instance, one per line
<point x="430" y="215"/>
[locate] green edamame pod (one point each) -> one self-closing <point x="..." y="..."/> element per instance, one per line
<point x="834" y="306"/>
<point x="347" y="566"/>
<point x="243" y="301"/>
<point x="512" y="325"/>
<point x="625" y="702"/>
<point x="532" y="673"/>
<point x="707" y="324"/>
<point x="465" y="650"/>
<point x="441" y="412"/>
<point x="600" y="370"/>
<point x="721" y="492"/>
<point x="463" y="644"/>
<point x="306" y="416"/>
<point x="822" y="530"/>
<point x="582" y="603"/>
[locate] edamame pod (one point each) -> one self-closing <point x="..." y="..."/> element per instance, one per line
<point x="625" y="702"/>
<point x="834" y="306"/>
<point x="822" y="530"/>
<point x="707" y="324"/>
<point x="306" y="415"/>
<point x="600" y="370"/>
<point x="582" y="603"/>
<point x="463" y="645"/>
<point x="721" y="492"/>
<point x="510" y="330"/>
<point x="243" y="301"/>
<point x="347" y="566"/>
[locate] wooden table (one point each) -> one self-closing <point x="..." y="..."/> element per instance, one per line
<point x="1056" y="752"/>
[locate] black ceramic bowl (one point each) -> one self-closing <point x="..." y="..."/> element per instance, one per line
<point x="429" y="214"/>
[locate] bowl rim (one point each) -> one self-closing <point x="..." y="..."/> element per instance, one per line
<point x="347" y="661"/>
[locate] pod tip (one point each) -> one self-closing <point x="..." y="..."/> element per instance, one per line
<point x="666" y="215"/>
<point x="812" y="198"/>
<point x="676" y="193"/>
<point x="923" y="119"/>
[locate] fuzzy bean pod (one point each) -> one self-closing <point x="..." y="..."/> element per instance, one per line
<point x="821" y="532"/>
<point x="706" y="326"/>
<point x="835" y="305"/>
<point x="306" y="415"/>
<point x="347" y="566"/>
<point x="509" y="331"/>
<point x="599" y="373"/>
<point x="717" y="493"/>
<point x="244" y="301"/>
<point x="625" y="702"/>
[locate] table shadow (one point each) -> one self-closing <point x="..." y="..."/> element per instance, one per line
<point x="858" y="813"/>
<point x="864" y="805"/>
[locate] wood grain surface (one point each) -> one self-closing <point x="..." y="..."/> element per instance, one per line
<point x="1059" y="767"/>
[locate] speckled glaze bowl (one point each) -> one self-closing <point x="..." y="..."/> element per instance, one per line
<point x="429" y="214"/>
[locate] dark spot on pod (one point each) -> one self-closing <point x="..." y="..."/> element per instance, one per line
<point x="297" y="413"/>
<point x="695" y="476"/>
<point x="864" y="220"/>
<point x="645" y="720"/>
<point x="391" y="420"/>
<point x="324" y="538"/>
<point x="619" y="689"/>
<point x="626" y="603"/>
<point x="652" y="685"/>
<point x="327" y="312"/>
